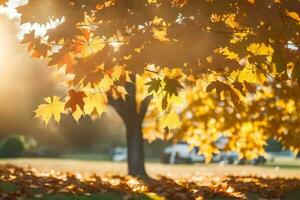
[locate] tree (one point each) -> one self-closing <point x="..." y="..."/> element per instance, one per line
<point x="104" y="46"/>
<point x="272" y="112"/>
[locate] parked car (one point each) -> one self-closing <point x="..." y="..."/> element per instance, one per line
<point x="119" y="154"/>
<point x="232" y="157"/>
<point x="181" y="153"/>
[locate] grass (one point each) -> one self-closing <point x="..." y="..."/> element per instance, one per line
<point x="284" y="163"/>
<point x="101" y="164"/>
<point x="89" y="164"/>
<point x="32" y="184"/>
<point x="7" y="187"/>
<point x="100" y="157"/>
<point x="90" y="157"/>
<point x="37" y="194"/>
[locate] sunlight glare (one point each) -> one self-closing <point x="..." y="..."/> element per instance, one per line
<point x="5" y="45"/>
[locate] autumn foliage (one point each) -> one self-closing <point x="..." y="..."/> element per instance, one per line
<point x="206" y="69"/>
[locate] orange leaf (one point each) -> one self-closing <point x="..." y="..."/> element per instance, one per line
<point x="63" y="58"/>
<point x="76" y="98"/>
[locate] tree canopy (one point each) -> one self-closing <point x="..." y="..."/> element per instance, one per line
<point x="247" y="51"/>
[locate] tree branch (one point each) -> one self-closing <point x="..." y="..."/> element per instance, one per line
<point x="144" y="107"/>
<point x="130" y="87"/>
<point x="119" y="106"/>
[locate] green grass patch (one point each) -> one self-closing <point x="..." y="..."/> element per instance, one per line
<point x="7" y="187"/>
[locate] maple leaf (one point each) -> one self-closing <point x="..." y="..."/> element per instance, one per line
<point x="239" y="86"/>
<point x="117" y="73"/>
<point x="170" y="120"/>
<point x="222" y="87"/>
<point x="75" y="99"/>
<point x="78" y="113"/>
<point x="87" y="44"/>
<point x="95" y="102"/>
<point x="172" y="86"/>
<point x="218" y="85"/>
<point x="63" y="58"/>
<point x="260" y="49"/>
<point x="154" y="85"/>
<point x="54" y="107"/>
<point x="118" y="92"/>
<point x="36" y="47"/>
<point x="251" y="74"/>
<point x="106" y="83"/>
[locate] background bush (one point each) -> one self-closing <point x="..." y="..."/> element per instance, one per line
<point x="12" y="146"/>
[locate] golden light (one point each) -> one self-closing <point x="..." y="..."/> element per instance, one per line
<point x="116" y="44"/>
<point x="5" y="47"/>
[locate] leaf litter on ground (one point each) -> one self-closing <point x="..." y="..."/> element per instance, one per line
<point x="29" y="183"/>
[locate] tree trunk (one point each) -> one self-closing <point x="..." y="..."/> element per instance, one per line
<point x="135" y="148"/>
<point x="133" y="120"/>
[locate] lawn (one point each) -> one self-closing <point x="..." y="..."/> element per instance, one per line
<point x="32" y="184"/>
<point x="79" y="178"/>
<point x="101" y="164"/>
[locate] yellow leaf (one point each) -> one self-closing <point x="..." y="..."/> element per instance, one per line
<point x="88" y="44"/>
<point x="157" y="20"/>
<point x="54" y="107"/>
<point x="260" y="49"/>
<point x="250" y="74"/>
<point x="95" y="102"/>
<point x="117" y="73"/>
<point x="105" y="84"/>
<point x="77" y="114"/>
<point x="293" y="15"/>
<point x="230" y="21"/>
<point x="229" y="54"/>
<point x="215" y="17"/>
<point x="160" y="34"/>
<point x="152" y="1"/>
<point x="289" y="69"/>
<point x="170" y="120"/>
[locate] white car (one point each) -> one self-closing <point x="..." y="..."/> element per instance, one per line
<point x="119" y="154"/>
<point x="181" y="153"/>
